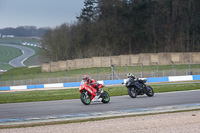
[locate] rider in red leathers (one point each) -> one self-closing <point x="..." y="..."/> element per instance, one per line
<point x="91" y="82"/>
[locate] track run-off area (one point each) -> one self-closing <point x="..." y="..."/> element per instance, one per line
<point x="60" y="110"/>
<point x="15" y="57"/>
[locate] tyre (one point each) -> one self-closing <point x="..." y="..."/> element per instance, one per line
<point x="150" y="91"/>
<point x="105" y="97"/>
<point x="85" y="98"/>
<point x="132" y="92"/>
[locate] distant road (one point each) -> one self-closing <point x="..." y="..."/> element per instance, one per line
<point x="19" y="61"/>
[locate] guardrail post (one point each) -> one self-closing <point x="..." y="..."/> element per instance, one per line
<point x="38" y="77"/>
<point x="97" y="73"/>
<point x="142" y="71"/>
<point x="172" y="68"/>
<point x="189" y="67"/>
<point x="157" y="68"/>
<point x="67" y="74"/>
<point x="12" y="79"/>
<point x="77" y="79"/>
<point x="51" y="77"/>
<point x="163" y="73"/>
<point x="25" y="78"/>
<point x="126" y="68"/>
<point x="112" y="68"/>
<point x="0" y="80"/>
<point x="82" y="71"/>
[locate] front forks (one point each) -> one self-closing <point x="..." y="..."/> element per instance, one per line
<point x="99" y="92"/>
<point x="86" y="94"/>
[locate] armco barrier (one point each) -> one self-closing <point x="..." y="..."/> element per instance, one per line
<point x="73" y="84"/>
<point x="110" y="82"/>
<point x="181" y="78"/>
<point x="196" y="77"/>
<point x="3" y="71"/>
<point x="106" y="82"/>
<point x="158" y="79"/>
<point x="4" y="88"/>
<point x="18" y="87"/>
<point x="29" y="44"/>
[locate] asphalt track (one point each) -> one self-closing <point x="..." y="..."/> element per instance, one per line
<point x="19" y="61"/>
<point x="72" y="108"/>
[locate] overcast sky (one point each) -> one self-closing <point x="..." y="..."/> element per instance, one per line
<point x="40" y="13"/>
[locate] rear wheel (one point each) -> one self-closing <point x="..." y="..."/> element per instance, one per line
<point x="150" y="91"/>
<point x="132" y="92"/>
<point x="85" y="98"/>
<point x="105" y="97"/>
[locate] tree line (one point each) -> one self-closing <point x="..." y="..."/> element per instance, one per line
<point x="24" y="31"/>
<point x="117" y="27"/>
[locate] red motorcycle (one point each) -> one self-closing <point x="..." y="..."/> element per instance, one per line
<point x="89" y="93"/>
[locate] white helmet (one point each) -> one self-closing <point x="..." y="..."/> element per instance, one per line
<point x="130" y="75"/>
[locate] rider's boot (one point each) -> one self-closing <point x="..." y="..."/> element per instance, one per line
<point x="97" y="90"/>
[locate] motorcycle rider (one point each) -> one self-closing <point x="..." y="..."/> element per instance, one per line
<point x="130" y="76"/>
<point x="91" y="82"/>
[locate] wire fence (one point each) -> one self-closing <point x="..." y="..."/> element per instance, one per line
<point x="53" y="78"/>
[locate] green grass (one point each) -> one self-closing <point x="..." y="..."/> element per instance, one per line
<point x="7" y="54"/>
<point x="5" y="67"/>
<point x="175" y="87"/>
<point x="63" y="94"/>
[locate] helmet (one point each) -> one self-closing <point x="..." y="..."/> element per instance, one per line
<point x="129" y="75"/>
<point x="86" y="78"/>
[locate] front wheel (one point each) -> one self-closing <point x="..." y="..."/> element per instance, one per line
<point x="105" y="97"/>
<point x="150" y="91"/>
<point x="132" y="92"/>
<point x="85" y="98"/>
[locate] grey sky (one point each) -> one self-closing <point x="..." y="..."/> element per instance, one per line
<point x="40" y="13"/>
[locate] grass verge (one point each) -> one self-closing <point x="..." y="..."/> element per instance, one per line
<point x="64" y="94"/>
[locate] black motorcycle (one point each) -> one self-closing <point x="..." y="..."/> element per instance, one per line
<point x="138" y="87"/>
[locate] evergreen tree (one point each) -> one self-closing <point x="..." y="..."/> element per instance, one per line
<point x="88" y="13"/>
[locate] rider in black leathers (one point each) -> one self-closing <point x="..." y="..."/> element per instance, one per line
<point x="130" y="76"/>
